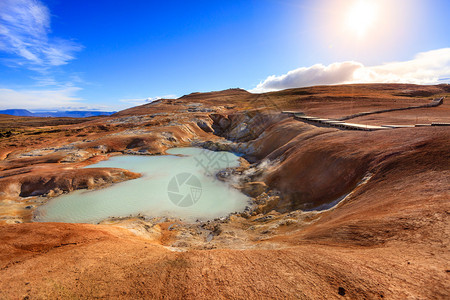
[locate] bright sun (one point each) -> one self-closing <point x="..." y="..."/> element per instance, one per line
<point x="361" y="17"/>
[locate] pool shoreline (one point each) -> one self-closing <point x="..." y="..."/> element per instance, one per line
<point x="220" y="205"/>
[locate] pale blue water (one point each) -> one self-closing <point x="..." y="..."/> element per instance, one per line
<point x="174" y="186"/>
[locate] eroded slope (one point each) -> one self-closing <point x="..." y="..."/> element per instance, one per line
<point x="387" y="238"/>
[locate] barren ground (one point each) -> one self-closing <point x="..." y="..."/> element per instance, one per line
<point x="388" y="237"/>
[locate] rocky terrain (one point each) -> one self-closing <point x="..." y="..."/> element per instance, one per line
<point x="336" y="213"/>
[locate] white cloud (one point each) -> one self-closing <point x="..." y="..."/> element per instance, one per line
<point x="426" y="68"/>
<point x="59" y="99"/>
<point x="24" y="33"/>
<point x="308" y="76"/>
<point x="45" y="81"/>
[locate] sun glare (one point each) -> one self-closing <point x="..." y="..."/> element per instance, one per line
<point x="361" y="17"/>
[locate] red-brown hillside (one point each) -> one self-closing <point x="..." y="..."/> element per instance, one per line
<point x="388" y="238"/>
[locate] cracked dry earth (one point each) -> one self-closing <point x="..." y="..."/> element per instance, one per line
<point x="387" y="237"/>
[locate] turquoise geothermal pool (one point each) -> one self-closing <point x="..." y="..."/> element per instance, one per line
<point x="181" y="185"/>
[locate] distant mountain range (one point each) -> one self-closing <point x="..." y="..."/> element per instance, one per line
<point x="71" y="114"/>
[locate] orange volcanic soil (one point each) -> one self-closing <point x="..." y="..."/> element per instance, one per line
<point x="388" y="237"/>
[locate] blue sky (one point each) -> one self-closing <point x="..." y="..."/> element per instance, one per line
<point x="84" y="54"/>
